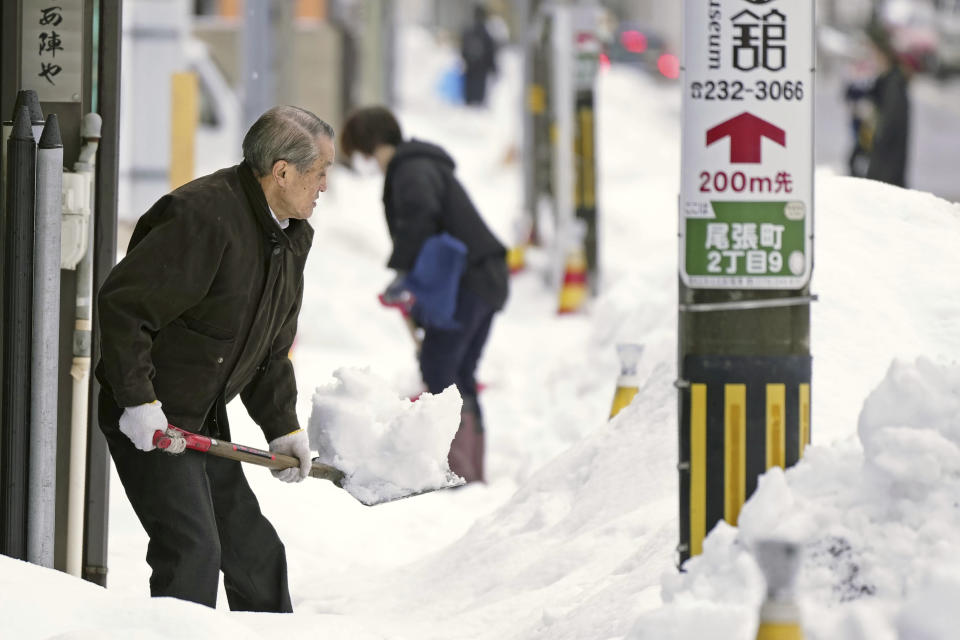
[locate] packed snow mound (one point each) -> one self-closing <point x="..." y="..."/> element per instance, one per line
<point x="877" y="524"/>
<point x="910" y="427"/>
<point x="886" y="265"/>
<point x="43" y="603"/>
<point x="573" y="548"/>
<point x="386" y="445"/>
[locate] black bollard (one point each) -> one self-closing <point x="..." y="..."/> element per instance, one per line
<point x="28" y="98"/>
<point x="17" y="334"/>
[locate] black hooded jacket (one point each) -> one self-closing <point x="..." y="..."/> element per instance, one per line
<point x="421" y="198"/>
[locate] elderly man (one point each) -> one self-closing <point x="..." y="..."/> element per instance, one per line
<point x="204" y="307"/>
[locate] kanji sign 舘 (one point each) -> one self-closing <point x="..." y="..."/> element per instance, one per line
<point x="52" y="49"/>
<point x="746" y="200"/>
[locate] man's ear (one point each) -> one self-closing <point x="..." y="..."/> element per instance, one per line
<point x="280" y="170"/>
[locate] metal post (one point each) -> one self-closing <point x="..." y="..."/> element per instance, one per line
<point x="388" y="53"/>
<point x="29" y="98"/>
<point x="96" y="522"/>
<point x="374" y="53"/>
<point x="25" y="98"/>
<point x="533" y="108"/>
<point x="585" y="194"/>
<point x="41" y="509"/>
<point x="18" y="294"/>
<point x="746" y="257"/>
<point x="561" y="101"/>
<point x="540" y="97"/>
<point x="257" y="55"/>
<point x="80" y="368"/>
<point x="524" y="8"/>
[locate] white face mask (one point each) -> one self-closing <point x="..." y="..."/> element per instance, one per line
<point x="365" y="166"/>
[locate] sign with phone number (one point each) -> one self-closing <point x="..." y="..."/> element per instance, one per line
<point x="746" y="201"/>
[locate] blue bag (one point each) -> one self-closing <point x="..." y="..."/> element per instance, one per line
<point x="450" y="85"/>
<point x="435" y="281"/>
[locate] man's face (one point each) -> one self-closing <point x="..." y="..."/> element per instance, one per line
<point x="300" y="191"/>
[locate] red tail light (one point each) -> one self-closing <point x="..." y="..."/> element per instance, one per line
<point x="669" y="66"/>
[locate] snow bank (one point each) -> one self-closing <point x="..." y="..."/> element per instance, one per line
<point x="387" y="446"/>
<point x="43" y="603"/>
<point x="886" y="265"/>
<point x="879" y="526"/>
<point x="575" y="553"/>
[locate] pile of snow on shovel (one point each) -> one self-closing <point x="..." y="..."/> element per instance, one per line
<point x="387" y="446"/>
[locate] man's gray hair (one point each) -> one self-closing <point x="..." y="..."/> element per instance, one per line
<point x="284" y="133"/>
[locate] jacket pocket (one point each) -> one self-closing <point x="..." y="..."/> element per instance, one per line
<point x="190" y="370"/>
<point x="205" y="328"/>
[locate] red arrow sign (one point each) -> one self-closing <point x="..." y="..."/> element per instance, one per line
<point x="745" y="131"/>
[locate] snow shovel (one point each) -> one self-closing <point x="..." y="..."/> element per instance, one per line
<point x="277" y="461"/>
<point x="403" y="305"/>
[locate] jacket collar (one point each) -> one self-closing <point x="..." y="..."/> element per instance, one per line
<point x="297" y="236"/>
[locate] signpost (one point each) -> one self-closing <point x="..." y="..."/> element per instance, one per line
<point x="747" y="183"/>
<point x="746" y="252"/>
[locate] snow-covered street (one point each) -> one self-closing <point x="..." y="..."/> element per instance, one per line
<point x="574" y="535"/>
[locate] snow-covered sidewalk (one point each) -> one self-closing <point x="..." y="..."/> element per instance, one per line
<point x="574" y="536"/>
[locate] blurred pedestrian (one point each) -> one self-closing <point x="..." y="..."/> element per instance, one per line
<point x="858" y="97"/>
<point x="203" y="308"/>
<point x="888" y="153"/>
<point x="479" y="53"/>
<point x="425" y="202"/>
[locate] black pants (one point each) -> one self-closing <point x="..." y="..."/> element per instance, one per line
<point x="475" y="85"/>
<point x="451" y="357"/>
<point x="202" y="518"/>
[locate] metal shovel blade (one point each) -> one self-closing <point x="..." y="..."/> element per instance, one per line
<point x="452" y="481"/>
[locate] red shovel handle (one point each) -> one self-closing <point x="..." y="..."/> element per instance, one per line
<point x="233" y="451"/>
<point x="194" y="441"/>
<point x="403" y="304"/>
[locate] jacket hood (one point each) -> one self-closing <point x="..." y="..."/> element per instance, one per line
<point x="414" y="148"/>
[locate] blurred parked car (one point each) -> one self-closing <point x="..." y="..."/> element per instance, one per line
<point x="912" y="25"/>
<point x="643" y="48"/>
<point x="948" y="29"/>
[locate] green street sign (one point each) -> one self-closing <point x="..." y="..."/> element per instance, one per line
<point x="747" y="245"/>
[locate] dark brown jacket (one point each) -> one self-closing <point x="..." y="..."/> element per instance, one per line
<point x="204" y="306"/>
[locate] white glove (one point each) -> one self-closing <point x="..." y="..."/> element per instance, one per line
<point x="296" y="444"/>
<point x="139" y="423"/>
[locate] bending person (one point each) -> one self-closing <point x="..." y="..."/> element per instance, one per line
<point x="423" y="199"/>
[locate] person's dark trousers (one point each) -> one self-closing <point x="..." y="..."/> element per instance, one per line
<point x="475" y="85"/>
<point x="202" y="517"/>
<point x="451" y="357"/>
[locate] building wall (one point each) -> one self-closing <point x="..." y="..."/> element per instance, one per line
<point x="311" y="74"/>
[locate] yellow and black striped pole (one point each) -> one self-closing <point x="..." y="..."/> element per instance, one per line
<point x="739" y="417"/>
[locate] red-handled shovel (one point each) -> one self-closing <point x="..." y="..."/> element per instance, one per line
<point x="239" y="452"/>
<point x="277" y="461"/>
